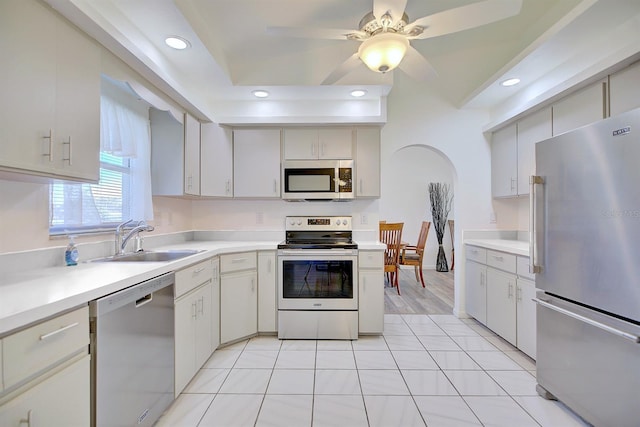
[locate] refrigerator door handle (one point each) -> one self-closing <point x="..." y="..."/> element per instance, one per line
<point x="607" y="328"/>
<point x="533" y="244"/>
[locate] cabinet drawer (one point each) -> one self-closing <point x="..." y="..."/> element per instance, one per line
<point x="502" y="260"/>
<point x="522" y="268"/>
<point x="371" y="259"/>
<point x="192" y="277"/>
<point x="477" y="254"/>
<point x="237" y="262"/>
<point x="29" y="351"/>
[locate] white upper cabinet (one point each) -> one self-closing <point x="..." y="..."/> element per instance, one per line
<point x="313" y="143"/>
<point x="504" y="162"/>
<point x="531" y="129"/>
<point x="585" y="106"/>
<point x="167" y="154"/>
<point x="216" y="160"/>
<point x="191" y="155"/>
<point x="50" y="85"/>
<point x="256" y="163"/>
<point x="624" y="89"/>
<point x="367" y="173"/>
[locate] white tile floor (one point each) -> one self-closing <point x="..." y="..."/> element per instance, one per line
<point x="432" y="370"/>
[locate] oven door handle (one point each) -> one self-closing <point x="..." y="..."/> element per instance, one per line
<point x="316" y="252"/>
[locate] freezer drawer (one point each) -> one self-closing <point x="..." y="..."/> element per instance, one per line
<point x="587" y="364"/>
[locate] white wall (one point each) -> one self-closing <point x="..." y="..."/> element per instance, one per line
<point x="418" y="116"/>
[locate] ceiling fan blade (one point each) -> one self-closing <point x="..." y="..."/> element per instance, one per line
<point x="343" y="69"/>
<point x="465" y="17"/>
<point x="416" y="66"/>
<point x="314" y="33"/>
<point x="394" y="7"/>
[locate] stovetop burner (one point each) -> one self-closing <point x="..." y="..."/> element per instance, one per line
<point x="318" y="233"/>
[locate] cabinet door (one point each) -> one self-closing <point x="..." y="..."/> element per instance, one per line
<point x="371" y="301"/>
<point x="335" y="143"/>
<point x="191" y="155"/>
<point x="185" y="317"/>
<point x="526" y="317"/>
<point x="501" y="304"/>
<point x="256" y="163"/>
<point x="367" y="162"/>
<point x="624" y="90"/>
<point x="203" y="333"/>
<point x="216" y="160"/>
<point x="300" y="144"/>
<point x="77" y="129"/>
<point x="504" y="161"/>
<point x="60" y="400"/>
<point x="531" y="129"/>
<point x="580" y="108"/>
<point x="215" y="304"/>
<point x="267" y="308"/>
<point x="476" y="290"/>
<point x="167" y="154"/>
<point x="238" y="305"/>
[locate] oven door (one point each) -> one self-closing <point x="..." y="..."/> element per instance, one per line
<point x="310" y="279"/>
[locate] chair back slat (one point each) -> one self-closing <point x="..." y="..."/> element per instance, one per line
<point x="391" y="234"/>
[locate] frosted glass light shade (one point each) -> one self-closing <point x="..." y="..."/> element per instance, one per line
<point x="383" y="52"/>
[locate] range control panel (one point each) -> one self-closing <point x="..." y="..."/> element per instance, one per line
<point x="319" y="223"/>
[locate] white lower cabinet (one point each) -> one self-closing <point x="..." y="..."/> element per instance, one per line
<point x="267" y="292"/>
<point x="46" y="373"/>
<point x="499" y="294"/>
<point x="526" y="316"/>
<point x="62" y="399"/>
<point x="501" y="303"/>
<point x="238" y="296"/>
<point x="476" y="287"/>
<point x="370" y="292"/>
<point x="193" y="319"/>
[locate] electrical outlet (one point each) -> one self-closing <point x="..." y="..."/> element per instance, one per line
<point x="493" y="218"/>
<point x="259" y="218"/>
<point x="363" y="219"/>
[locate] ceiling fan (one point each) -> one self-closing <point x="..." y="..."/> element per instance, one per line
<point x="386" y="32"/>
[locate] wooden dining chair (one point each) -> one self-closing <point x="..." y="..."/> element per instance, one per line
<point x="391" y="234"/>
<point x="413" y="255"/>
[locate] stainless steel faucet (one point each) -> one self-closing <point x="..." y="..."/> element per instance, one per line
<point x="121" y="242"/>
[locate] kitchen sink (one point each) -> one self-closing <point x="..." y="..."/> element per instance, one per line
<point x="150" y="256"/>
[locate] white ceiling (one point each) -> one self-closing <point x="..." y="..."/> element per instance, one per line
<point x="548" y="44"/>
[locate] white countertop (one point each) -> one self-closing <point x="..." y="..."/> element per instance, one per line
<point x="517" y="247"/>
<point x="34" y="295"/>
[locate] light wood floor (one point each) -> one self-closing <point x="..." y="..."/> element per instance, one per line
<point x="435" y="298"/>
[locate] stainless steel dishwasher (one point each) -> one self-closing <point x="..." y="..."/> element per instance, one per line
<point x="132" y="354"/>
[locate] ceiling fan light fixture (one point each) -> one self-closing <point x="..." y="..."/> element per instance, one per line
<point x="177" y="42"/>
<point x="384" y="51"/>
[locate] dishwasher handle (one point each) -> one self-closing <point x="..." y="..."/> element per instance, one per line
<point x="144" y="300"/>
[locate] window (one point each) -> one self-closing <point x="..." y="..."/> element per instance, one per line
<point x="79" y="208"/>
<point x="124" y="189"/>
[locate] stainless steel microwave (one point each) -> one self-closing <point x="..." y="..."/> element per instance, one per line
<point x="317" y="180"/>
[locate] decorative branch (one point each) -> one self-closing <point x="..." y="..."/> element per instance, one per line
<point x="441" y="200"/>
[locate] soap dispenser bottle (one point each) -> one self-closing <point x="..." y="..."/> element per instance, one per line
<point x="71" y="253"/>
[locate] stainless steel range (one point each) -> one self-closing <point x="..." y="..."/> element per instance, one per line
<point x="318" y="279"/>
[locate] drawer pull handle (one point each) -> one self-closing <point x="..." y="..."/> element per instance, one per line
<point x="238" y="260"/>
<point x="56" y="332"/>
<point x="198" y="270"/>
<point x="498" y="258"/>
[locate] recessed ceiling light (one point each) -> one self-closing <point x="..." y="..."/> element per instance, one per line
<point x="510" y="82"/>
<point x="358" y="93"/>
<point x="260" y="93"/>
<point x="177" y="42"/>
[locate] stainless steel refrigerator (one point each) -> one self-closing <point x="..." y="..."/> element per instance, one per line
<point x="585" y="226"/>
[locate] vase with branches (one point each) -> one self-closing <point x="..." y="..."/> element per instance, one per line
<point x="441" y="198"/>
